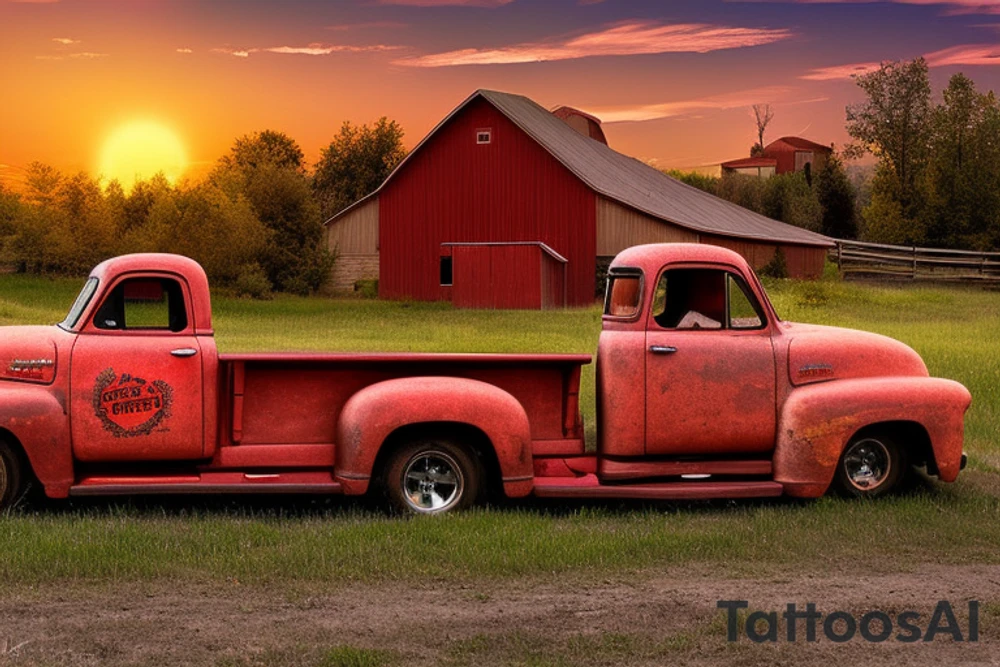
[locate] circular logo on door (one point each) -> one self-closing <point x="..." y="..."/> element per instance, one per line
<point x="128" y="405"/>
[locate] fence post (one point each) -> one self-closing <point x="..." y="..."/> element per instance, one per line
<point x="840" y="258"/>
<point x="914" y="262"/>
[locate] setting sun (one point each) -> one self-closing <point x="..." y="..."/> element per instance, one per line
<point x="139" y="150"/>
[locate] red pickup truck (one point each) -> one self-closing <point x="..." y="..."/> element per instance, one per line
<point x="702" y="392"/>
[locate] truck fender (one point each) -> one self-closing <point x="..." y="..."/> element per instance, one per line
<point x="375" y="412"/>
<point x="818" y="420"/>
<point x="36" y="417"/>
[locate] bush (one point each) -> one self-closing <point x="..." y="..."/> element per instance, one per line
<point x="777" y="267"/>
<point x="252" y="282"/>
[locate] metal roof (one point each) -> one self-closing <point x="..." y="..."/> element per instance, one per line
<point x="627" y="180"/>
<point x="750" y="162"/>
<point x="800" y="143"/>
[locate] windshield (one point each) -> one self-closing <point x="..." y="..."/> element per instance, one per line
<point x="80" y="304"/>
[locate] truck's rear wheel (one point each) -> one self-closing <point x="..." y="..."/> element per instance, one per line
<point x="431" y="477"/>
<point x="11" y="478"/>
<point x="872" y="465"/>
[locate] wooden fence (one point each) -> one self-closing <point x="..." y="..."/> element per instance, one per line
<point x="910" y="262"/>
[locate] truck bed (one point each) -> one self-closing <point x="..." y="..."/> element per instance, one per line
<point x="296" y="399"/>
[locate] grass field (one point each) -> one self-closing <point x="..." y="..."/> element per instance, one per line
<point x="297" y="545"/>
<point x="953" y="328"/>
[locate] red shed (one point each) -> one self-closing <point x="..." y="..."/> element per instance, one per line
<point x="506" y="189"/>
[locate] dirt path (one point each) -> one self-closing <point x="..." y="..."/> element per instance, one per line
<point x="665" y="617"/>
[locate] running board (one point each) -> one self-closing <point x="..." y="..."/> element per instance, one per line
<point x="208" y="483"/>
<point x="588" y="486"/>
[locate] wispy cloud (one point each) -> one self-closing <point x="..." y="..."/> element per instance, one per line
<point x="313" y="49"/>
<point x="836" y="72"/>
<point x="33" y="2"/>
<point x="691" y="107"/>
<point x="968" y="54"/>
<point x="65" y="41"/>
<point x="951" y="7"/>
<point x="448" y="3"/>
<point x="382" y="25"/>
<point x="184" y="50"/>
<point x="88" y="55"/>
<point x="622" y="39"/>
<point x="964" y="54"/>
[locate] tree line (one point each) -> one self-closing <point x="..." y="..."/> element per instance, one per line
<point x="936" y="179"/>
<point x="255" y="223"/>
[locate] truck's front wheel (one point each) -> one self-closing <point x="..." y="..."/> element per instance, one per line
<point x="431" y="477"/>
<point x="872" y="465"/>
<point x="10" y="476"/>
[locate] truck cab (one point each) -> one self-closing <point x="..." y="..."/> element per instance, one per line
<point x="702" y="392"/>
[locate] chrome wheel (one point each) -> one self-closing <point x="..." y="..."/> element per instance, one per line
<point x="432" y="482"/>
<point x="867" y="464"/>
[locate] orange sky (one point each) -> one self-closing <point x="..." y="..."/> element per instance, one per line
<point x="673" y="80"/>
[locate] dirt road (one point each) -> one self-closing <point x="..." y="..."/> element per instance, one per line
<point x="666" y="616"/>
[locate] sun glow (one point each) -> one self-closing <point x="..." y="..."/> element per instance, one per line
<point x="140" y="150"/>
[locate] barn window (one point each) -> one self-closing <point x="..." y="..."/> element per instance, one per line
<point x="484" y="135"/>
<point x="446" y="278"/>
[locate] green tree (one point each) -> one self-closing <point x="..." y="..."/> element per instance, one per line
<point x="266" y="169"/>
<point x="962" y="184"/>
<point x="262" y="148"/>
<point x="836" y="198"/>
<point x="356" y="162"/>
<point x="893" y="124"/>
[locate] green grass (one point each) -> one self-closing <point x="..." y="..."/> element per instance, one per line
<point x="953" y="328"/>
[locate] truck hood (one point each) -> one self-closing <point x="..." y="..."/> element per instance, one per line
<point x="28" y="354"/>
<point x="819" y="353"/>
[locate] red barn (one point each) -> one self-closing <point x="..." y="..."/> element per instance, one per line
<point x="782" y="156"/>
<point x="505" y="204"/>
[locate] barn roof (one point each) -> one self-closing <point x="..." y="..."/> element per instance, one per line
<point x="801" y="144"/>
<point x="627" y="180"/>
<point x="746" y="162"/>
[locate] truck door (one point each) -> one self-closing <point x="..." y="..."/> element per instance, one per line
<point x="136" y="375"/>
<point x="710" y="374"/>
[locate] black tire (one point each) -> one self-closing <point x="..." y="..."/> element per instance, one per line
<point x="431" y="476"/>
<point x="11" y="477"/>
<point x="872" y="465"/>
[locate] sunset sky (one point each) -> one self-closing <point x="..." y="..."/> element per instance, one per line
<point x="672" y="80"/>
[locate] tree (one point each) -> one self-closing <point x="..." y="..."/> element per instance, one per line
<point x="356" y="162"/>
<point x="893" y="122"/>
<point x="836" y="198"/>
<point x="266" y="169"/>
<point x="267" y="147"/>
<point x="962" y="183"/>
<point x="763" y="115"/>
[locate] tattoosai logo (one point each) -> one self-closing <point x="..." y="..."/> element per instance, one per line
<point x="128" y="405"/>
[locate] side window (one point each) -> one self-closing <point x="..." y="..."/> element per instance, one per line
<point x="743" y="311"/>
<point x="623" y="295"/>
<point x="144" y="304"/>
<point x="704" y="299"/>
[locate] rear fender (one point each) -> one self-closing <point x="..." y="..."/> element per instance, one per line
<point x="817" y="421"/>
<point x="374" y="413"/>
<point x="36" y="417"/>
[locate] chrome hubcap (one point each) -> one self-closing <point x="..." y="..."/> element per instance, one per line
<point x="867" y="464"/>
<point x="432" y="482"/>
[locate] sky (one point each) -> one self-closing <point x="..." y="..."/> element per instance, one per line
<point x="672" y="80"/>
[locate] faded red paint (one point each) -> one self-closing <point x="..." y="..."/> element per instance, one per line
<point x="762" y="412"/>
<point x="454" y="190"/>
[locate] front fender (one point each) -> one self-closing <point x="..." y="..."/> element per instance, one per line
<point x="374" y="413"/>
<point x="36" y="416"/>
<point x="818" y="420"/>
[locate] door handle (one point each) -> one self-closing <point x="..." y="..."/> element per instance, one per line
<point x="184" y="352"/>
<point x="662" y="349"/>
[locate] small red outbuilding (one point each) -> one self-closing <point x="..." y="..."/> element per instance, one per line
<point x="505" y="205"/>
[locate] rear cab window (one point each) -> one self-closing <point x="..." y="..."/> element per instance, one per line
<point x="624" y="295"/>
